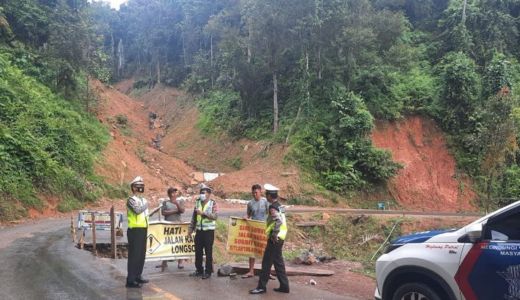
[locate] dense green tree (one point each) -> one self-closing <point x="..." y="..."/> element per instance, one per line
<point x="460" y="91"/>
<point x="314" y="72"/>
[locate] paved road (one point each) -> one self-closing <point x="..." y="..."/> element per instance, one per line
<point x="39" y="261"/>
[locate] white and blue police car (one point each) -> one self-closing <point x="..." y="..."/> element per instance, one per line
<point x="478" y="261"/>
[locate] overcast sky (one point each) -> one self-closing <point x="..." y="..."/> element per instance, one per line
<point x="115" y="3"/>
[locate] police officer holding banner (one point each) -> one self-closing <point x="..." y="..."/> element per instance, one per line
<point x="203" y="222"/>
<point x="137" y="212"/>
<point x="276" y="231"/>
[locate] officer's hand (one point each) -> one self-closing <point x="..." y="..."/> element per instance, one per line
<point x="199" y="212"/>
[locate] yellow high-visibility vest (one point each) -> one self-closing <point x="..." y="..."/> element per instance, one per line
<point x="271" y="223"/>
<point x="205" y="223"/>
<point x="137" y="220"/>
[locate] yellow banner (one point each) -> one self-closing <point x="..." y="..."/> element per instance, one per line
<point x="246" y="237"/>
<point x="169" y="241"/>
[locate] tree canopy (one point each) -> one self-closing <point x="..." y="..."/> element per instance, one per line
<point x="311" y="73"/>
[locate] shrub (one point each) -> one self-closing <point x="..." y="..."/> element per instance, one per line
<point x="46" y="144"/>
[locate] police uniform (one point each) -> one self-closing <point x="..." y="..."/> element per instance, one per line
<point x="204" y="227"/>
<point x="137" y="213"/>
<point x="276" y="231"/>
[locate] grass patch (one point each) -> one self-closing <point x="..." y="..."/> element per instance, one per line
<point x="116" y="191"/>
<point x="353" y="238"/>
<point x="303" y="200"/>
<point x="9" y="211"/>
<point x="69" y="204"/>
<point x="235" y="163"/>
<point x="141" y="153"/>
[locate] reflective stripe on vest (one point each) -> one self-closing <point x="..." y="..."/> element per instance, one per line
<point x="205" y="223"/>
<point x="283" y="228"/>
<point x="137" y="220"/>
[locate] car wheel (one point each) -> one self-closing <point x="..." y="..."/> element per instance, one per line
<point x="415" y="291"/>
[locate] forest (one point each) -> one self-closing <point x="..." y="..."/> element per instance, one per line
<point x="313" y="74"/>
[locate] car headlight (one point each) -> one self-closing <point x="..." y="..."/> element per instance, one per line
<point x="391" y="248"/>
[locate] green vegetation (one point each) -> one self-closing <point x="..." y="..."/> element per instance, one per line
<point x="354" y="238"/>
<point x="49" y="141"/>
<point x="311" y="74"/>
<point x="46" y="144"/>
<point x="315" y="74"/>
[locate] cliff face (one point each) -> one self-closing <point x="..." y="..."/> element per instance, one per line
<point x="429" y="179"/>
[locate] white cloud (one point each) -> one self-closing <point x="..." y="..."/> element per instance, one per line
<point x="113" y="3"/>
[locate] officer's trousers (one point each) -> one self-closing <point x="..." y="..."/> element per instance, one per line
<point x="204" y="245"/>
<point x="136" y="253"/>
<point x="273" y="255"/>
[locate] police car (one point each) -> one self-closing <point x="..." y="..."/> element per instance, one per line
<point x="478" y="261"/>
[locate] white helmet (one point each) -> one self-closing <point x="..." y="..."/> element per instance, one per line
<point x="137" y="181"/>
<point x="204" y="187"/>
<point x="271" y="190"/>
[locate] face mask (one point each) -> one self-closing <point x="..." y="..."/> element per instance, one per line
<point x="202" y="197"/>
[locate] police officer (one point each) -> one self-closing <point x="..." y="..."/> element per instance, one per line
<point x="137" y="212"/>
<point x="276" y="231"/>
<point x="203" y="222"/>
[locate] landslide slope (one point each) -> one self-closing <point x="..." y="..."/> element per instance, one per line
<point x="242" y="163"/>
<point x="429" y="179"/>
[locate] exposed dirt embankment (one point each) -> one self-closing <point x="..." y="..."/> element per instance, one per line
<point x="429" y="179"/>
<point x="243" y="162"/>
<point x="130" y="153"/>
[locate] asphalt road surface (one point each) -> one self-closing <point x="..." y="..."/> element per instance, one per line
<point x="39" y="261"/>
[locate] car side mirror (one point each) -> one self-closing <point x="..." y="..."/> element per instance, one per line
<point x="473" y="234"/>
<point x="470" y="237"/>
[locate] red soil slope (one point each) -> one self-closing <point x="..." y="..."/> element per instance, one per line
<point x="429" y="179"/>
<point x="260" y="162"/>
<point x="129" y="156"/>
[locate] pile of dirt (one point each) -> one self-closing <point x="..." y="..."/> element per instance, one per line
<point x="429" y="180"/>
<point x="130" y="154"/>
<point x="243" y="162"/>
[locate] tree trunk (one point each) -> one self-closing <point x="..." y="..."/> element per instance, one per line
<point x="158" y="70"/>
<point x="464" y="11"/>
<point x="87" y="100"/>
<point x="275" y="103"/>
<point x="249" y="54"/>
<point x="113" y="54"/>
<point x="319" y="62"/>
<point x="294" y="123"/>
<point x="120" y="56"/>
<point x="211" y="58"/>
<point x="306" y="61"/>
<point x="183" y="50"/>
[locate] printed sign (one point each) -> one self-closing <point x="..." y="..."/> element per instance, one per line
<point x="169" y="241"/>
<point x="246" y="237"/>
<point x="102" y="219"/>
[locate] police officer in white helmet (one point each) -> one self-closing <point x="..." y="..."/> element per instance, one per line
<point x="276" y="231"/>
<point x="137" y="212"/>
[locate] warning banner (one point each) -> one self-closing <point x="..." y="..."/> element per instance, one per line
<point x="246" y="237"/>
<point x="102" y="219"/>
<point x="169" y="241"/>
